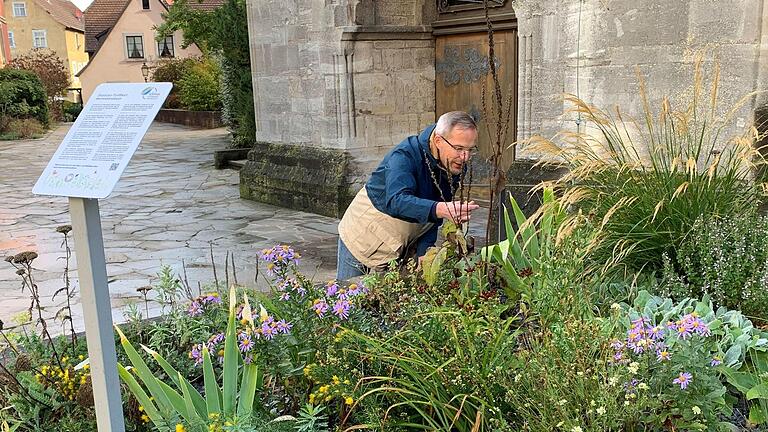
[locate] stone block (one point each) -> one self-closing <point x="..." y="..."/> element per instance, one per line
<point x="298" y="177"/>
<point x="279" y="59"/>
<point x="420" y="43"/>
<point x="389" y="44"/>
<point x="363" y="58"/>
<point x="292" y="57"/>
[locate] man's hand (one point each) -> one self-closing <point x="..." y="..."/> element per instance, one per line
<point x="457" y="211"/>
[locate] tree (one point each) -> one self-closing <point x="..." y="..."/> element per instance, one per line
<point x="50" y="69"/>
<point x="223" y="33"/>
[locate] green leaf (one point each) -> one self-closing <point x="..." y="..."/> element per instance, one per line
<point x="143" y="372"/>
<point x="732" y="356"/>
<point x="141" y="396"/>
<point x="431" y="268"/>
<point x="757" y="414"/>
<point x="743" y="381"/>
<point x="212" y="390"/>
<point x="250" y="383"/>
<point x="192" y="416"/>
<point x="231" y="358"/>
<point x="759" y="391"/>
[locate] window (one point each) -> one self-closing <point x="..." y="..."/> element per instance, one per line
<point x="39" y="39"/>
<point x="11" y="40"/>
<point x="145" y="4"/>
<point x="165" y="47"/>
<point x="20" y="9"/>
<point x="135" y="47"/>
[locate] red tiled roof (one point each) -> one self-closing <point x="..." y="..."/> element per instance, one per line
<point x="65" y="12"/>
<point x="100" y="16"/>
<point x="203" y="5"/>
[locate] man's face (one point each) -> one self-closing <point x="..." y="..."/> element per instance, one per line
<point x="456" y="148"/>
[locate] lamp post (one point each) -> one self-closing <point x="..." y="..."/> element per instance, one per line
<point x="145" y="71"/>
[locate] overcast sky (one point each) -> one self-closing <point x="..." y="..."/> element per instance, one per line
<point x="82" y="4"/>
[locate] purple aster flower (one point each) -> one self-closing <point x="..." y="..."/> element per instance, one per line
<point x="197" y="354"/>
<point x="341" y="308"/>
<point x="655" y="332"/>
<point x="331" y="288"/>
<point x="248" y="359"/>
<point x="195" y="309"/>
<point x="684" y="379"/>
<point x="662" y="355"/>
<point x="283" y="327"/>
<point x="617" y="344"/>
<point x="716" y="361"/>
<point x="320" y="307"/>
<point x="683" y="331"/>
<point x="216" y="339"/>
<point x="212" y="298"/>
<point x="699" y="327"/>
<point x="301" y="291"/>
<point x="285" y="296"/>
<point x="268" y="331"/>
<point x="246" y="342"/>
<point x="640" y="322"/>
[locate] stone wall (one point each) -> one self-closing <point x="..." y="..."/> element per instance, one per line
<point x="358" y="75"/>
<point x="602" y="46"/>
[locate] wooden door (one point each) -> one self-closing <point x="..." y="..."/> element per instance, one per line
<point x="462" y="76"/>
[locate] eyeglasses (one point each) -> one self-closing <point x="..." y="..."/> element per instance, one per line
<point x="470" y="151"/>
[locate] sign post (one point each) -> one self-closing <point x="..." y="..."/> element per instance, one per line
<point x="85" y="168"/>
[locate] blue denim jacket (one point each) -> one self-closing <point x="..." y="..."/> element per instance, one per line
<point x="403" y="187"/>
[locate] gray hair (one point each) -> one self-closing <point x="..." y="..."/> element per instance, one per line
<point x="454" y="119"/>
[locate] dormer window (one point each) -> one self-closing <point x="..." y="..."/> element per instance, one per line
<point x="145" y="4"/>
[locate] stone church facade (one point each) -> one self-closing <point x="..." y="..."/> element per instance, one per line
<point x="337" y="83"/>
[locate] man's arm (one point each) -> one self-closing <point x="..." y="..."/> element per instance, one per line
<point x="400" y="188"/>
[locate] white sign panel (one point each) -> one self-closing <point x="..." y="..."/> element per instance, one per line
<point x="98" y="147"/>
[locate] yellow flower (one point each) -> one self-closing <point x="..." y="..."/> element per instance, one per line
<point x="145" y="418"/>
<point x="323" y="389"/>
<point x="180" y="428"/>
<point x="141" y="408"/>
<point x="349" y="401"/>
<point x="336" y="380"/>
<point x="312" y="398"/>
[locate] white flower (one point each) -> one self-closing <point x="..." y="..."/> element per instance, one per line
<point x="562" y="402"/>
<point x="517" y="377"/>
<point x="642" y="386"/>
<point x="626" y="403"/>
<point x="601" y="411"/>
<point x="616" y="307"/>
<point x="696" y="410"/>
<point x="592" y="403"/>
<point x="576" y="429"/>
<point x="633" y="367"/>
<point x="612" y="381"/>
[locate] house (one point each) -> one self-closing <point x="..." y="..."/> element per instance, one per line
<point x="53" y="24"/>
<point x="120" y="39"/>
<point x="345" y="81"/>
<point x="5" y="42"/>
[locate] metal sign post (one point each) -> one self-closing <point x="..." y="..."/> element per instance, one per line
<point x="97" y="313"/>
<point x="85" y="168"/>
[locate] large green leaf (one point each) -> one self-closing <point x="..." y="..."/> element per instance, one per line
<point x="759" y="391"/>
<point x="212" y="390"/>
<point x="250" y="383"/>
<point x="231" y="359"/>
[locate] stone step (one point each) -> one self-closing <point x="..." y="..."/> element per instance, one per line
<point x="237" y="164"/>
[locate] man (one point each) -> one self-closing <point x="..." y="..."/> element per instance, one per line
<point x="407" y="197"/>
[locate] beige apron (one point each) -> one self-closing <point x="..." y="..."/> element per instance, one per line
<point x="373" y="237"/>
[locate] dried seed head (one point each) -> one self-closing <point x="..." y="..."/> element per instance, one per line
<point x="21" y="272"/>
<point x="23" y="363"/>
<point x="64" y="229"/>
<point x="9" y="258"/>
<point x="144" y="290"/>
<point x="24" y="257"/>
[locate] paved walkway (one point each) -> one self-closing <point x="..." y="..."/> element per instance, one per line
<point x="170" y="205"/>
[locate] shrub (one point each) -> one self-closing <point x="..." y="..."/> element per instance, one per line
<point x="51" y="70"/>
<point x="23" y="129"/>
<point x="726" y="259"/>
<point x="22" y="95"/>
<point x="70" y="110"/>
<point x="199" y="87"/>
<point x="646" y="189"/>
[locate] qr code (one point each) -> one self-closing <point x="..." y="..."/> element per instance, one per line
<point x="113" y="166"/>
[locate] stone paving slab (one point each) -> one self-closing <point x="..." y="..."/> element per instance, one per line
<point x="170" y="205"/>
